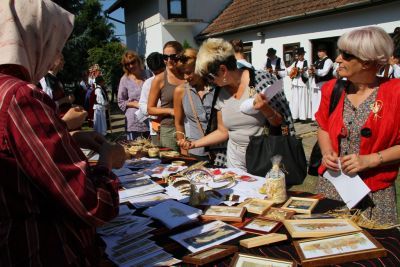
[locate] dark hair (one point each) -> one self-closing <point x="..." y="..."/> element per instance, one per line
<point x="99" y="79"/>
<point x="155" y="61"/>
<point x="396" y="52"/>
<point x="174" y="44"/>
<point x="237" y="45"/>
<point x="229" y="62"/>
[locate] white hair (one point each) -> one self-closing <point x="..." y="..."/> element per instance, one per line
<point x="211" y="51"/>
<point x="368" y="44"/>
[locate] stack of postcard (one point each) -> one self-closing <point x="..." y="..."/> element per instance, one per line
<point x="149" y="200"/>
<point x="128" y="241"/>
<point x="172" y="213"/>
<point x="140" y="187"/>
<point x="207" y="235"/>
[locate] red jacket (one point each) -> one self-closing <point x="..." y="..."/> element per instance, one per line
<point x="385" y="129"/>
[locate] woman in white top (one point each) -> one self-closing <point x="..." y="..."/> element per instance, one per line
<point x="216" y="62"/>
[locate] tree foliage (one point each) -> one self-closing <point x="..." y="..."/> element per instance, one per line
<point x="91" y="30"/>
<point x="109" y="58"/>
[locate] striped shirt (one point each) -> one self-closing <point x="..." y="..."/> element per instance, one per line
<point x="50" y="200"/>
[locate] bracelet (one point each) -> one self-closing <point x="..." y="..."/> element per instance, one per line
<point x="380" y="157"/>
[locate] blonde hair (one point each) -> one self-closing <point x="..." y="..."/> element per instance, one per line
<point x="368" y="44"/>
<point x="213" y="51"/>
<point x="129" y="56"/>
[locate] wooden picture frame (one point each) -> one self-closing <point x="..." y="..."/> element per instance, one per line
<point x="261" y="226"/>
<point x="338" y="249"/>
<point x="257" y="206"/>
<point x="224" y="213"/>
<point x="210" y="254"/>
<point x="320" y="227"/>
<point x="300" y="204"/>
<point x="243" y="259"/>
<point x="312" y="216"/>
<point x="278" y="214"/>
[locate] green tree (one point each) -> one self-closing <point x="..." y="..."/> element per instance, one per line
<point x="91" y="30"/>
<point x="109" y="58"/>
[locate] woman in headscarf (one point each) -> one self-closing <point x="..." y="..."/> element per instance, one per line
<point x="50" y="199"/>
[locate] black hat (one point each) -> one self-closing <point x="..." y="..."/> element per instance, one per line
<point x="322" y="47"/>
<point x="300" y="51"/>
<point x="271" y="51"/>
<point x="155" y="61"/>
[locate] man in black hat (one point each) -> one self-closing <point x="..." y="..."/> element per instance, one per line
<point x="319" y="73"/>
<point x="274" y="64"/>
<point x="299" y="100"/>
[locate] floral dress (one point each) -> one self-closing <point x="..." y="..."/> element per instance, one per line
<point x="377" y="206"/>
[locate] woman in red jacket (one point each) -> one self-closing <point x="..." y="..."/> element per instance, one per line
<point x="363" y="132"/>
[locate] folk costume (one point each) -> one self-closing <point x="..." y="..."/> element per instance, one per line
<point x="100" y="108"/>
<point x="323" y="73"/>
<point x="300" y="100"/>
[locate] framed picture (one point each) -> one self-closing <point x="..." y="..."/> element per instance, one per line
<point x="224" y="213"/>
<point x="320" y="227"/>
<point x="312" y="216"/>
<point x="300" y="204"/>
<point x="243" y="260"/>
<point x="338" y="249"/>
<point x="262" y="226"/>
<point x="257" y="206"/>
<point x="278" y="214"/>
<point x="208" y="235"/>
<point x="210" y="254"/>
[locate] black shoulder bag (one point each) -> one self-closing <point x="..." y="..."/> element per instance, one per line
<point x="316" y="155"/>
<point x="276" y="142"/>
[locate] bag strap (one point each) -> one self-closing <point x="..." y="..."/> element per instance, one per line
<point x="337" y="94"/>
<point x="194" y="110"/>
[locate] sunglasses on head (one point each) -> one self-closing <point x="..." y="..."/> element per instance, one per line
<point x="346" y="56"/>
<point x="173" y="57"/>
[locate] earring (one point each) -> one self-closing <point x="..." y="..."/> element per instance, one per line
<point x="224" y="80"/>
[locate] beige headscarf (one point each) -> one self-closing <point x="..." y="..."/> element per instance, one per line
<point x="32" y="34"/>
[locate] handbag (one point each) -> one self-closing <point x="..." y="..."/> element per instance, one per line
<point x="276" y="140"/>
<point x="316" y="155"/>
<point x="263" y="147"/>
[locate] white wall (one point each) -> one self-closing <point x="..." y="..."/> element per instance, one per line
<point x="385" y="16"/>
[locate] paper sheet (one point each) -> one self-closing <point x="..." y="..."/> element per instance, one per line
<point x="247" y="105"/>
<point x="352" y="189"/>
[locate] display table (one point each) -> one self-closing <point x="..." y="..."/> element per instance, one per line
<point x="390" y="239"/>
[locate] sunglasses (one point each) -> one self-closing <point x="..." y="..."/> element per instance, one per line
<point x="133" y="62"/>
<point x="173" y="57"/>
<point x="209" y="77"/>
<point x="346" y="56"/>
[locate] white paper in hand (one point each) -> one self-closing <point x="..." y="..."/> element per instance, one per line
<point x="247" y="106"/>
<point x="352" y="189"/>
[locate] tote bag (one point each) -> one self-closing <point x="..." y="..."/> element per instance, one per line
<point x="262" y="148"/>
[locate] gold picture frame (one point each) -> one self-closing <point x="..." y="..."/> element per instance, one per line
<point x="301" y="204"/>
<point x="261" y="226"/>
<point x="243" y="259"/>
<point x="338" y="249"/>
<point x="320" y="227"/>
<point x="224" y="213"/>
<point x="278" y="214"/>
<point x="210" y="254"/>
<point x="257" y="206"/>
